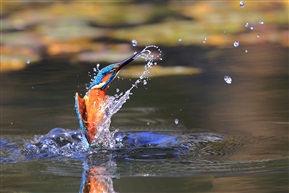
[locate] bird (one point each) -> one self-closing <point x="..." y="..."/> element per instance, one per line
<point x="89" y="108"/>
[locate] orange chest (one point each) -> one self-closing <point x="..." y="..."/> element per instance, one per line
<point x="95" y="109"/>
<point x="95" y="105"/>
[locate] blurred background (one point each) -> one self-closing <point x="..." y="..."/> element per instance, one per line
<point x="102" y="32"/>
<point x="49" y="48"/>
<point x="224" y="70"/>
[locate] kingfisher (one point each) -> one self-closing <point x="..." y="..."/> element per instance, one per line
<point x="89" y="108"/>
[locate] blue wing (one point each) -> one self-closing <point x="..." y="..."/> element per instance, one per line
<point x="80" y="109"/>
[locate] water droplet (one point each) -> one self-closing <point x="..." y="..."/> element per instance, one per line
<point x="246" y="51"/>
<point x="251" y="28"/>
<point x="176" y="121"/>
<point x="144" y="82"/>
<point x="242" y="4"/>
<point x="11" y="123"/>
<point x="258" y="36"/>
<point x="236" y="43"/>
<point x="247" y="25"/>
<point x="180" y="40"/>
<point x="205" y="40"/>
<point x="228" y="79"/>
<point x="117" y="90"/>
<point x="148" y="123"/>
<point x="28" y="61"/>
<point x="261" y="22"/>
<point x="134" y="42"/>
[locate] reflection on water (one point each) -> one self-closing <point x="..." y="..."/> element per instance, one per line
<point x="96" y="177"/>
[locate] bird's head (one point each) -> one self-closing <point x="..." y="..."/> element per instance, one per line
<point x="106" y="75"/>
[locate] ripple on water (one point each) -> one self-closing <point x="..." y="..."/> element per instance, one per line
<point x="128" y="145"/>
<point x="158" y="153"/>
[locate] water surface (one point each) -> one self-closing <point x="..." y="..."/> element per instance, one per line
<point x="249" y="116"/>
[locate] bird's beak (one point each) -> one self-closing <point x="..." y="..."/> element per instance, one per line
<point x="128" y="60"/>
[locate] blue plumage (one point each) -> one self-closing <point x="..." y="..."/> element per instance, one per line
<point x="102" y="73"/>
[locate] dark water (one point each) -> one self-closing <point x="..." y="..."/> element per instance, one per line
<point x="248" y="117"/>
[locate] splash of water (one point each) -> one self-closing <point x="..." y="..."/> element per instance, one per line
<point x="70" y="143"/>
<point x="58" y="142"/>
<point x="104" y="137"/>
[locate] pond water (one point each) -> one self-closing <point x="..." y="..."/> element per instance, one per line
<point x="236" y="135"/>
